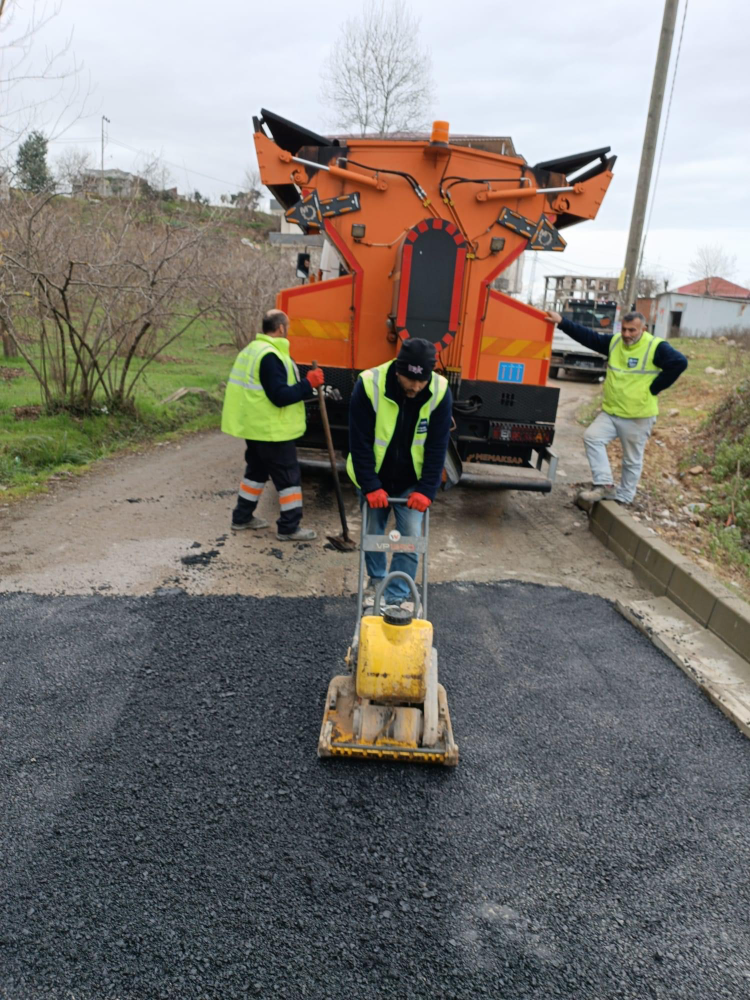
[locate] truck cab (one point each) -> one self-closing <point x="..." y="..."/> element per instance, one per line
<point x="570" y="356"/>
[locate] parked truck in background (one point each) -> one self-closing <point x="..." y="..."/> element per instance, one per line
<point x="570" y="356"/>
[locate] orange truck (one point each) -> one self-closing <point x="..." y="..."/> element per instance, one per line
<point x="422" y="227"/>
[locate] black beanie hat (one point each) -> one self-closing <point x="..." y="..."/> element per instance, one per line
<point x="416" y="359"/>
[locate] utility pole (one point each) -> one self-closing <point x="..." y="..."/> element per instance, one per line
<point x="629" y="290"/>
<point x="101" y="183"/>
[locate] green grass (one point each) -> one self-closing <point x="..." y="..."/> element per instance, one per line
<point x="33" y="450"/>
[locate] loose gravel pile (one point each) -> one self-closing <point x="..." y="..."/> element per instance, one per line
<point x="167" y="831"/>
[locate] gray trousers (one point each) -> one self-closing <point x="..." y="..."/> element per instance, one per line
<point x="633" y="433"/>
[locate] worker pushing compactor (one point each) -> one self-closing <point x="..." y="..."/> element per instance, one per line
<point x="399" y="427"/>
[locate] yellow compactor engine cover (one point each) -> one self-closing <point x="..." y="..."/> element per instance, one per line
<point x="393" y="660"/>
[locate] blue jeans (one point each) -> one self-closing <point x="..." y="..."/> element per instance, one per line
<point x="408" y="522"/>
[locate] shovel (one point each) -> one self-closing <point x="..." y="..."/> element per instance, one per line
<point x="343" y="542"/>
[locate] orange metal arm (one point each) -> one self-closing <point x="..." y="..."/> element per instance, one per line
<point x="345" y="175"/>
<point x="507" y="193"/>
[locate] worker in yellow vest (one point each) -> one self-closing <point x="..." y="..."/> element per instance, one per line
<point x="264" y="405"/>
<point x="639" y="367"/>
<point x="399" y="428"/>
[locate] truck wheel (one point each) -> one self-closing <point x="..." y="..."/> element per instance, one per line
<point x="554" y="372"/>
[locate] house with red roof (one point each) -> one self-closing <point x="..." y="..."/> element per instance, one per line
<point x="709" y="307"/>
<point x="715" y="287"/>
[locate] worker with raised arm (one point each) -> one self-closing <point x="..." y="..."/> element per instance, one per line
<point x="399" y="426"/>
<point x="639" y="367"/>
<point x="264" y="405"/>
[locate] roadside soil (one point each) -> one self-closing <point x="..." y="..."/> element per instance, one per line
<point x="159" y="520"/>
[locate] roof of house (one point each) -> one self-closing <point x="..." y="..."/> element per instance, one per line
<point x="717" y="287"/>
<point x="113" y="173"/>
<point x="502" y="144"/>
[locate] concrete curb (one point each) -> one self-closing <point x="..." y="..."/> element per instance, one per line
<point x="665" y="571"/>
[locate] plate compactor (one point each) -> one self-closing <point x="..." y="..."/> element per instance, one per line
<point x="390" y="705"/>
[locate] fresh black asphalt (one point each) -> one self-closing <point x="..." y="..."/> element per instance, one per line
<point x="167" y="831"/>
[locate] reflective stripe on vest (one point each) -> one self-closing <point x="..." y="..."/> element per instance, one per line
<point x="248" y="412"/>
<point x="630" y="373"/>
<point x="386" y="417"/>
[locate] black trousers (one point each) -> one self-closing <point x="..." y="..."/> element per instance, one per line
<point x="277" y="460"/>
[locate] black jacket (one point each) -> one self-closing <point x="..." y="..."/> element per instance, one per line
<point x="671" y="362"/>
<point x="273" y="380"/>
<point x="397" y="473"/>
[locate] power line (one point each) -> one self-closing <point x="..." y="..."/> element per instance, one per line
<point x="664" y="136"/>
<point x="648" y="152"/>
<point x="88" y="138"/>
<point x="231" y="185"/>
<point x="178" y="166"/>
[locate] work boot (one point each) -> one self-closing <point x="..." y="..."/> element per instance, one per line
<point x="368" y="598"/>
<point x="254" y="524"/>
<point x="409" y="606"/>
<point x="300" y="535"/>
<point x="597" y="493"/>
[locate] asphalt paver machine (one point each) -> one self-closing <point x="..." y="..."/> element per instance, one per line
<point x="390" y="706"/>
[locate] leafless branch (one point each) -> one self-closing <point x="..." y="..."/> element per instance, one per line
<point x="712" y="261"/>
<point x="39" y="86"/>
<point x="377" y="80"/>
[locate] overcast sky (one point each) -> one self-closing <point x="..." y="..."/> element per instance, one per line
<point x="183" y="79"/>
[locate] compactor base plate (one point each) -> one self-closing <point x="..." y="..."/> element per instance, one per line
<point x="337" y="733"/>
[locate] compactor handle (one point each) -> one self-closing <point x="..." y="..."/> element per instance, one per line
<point x="366" y="513"/>
<point x="396" y="574"/>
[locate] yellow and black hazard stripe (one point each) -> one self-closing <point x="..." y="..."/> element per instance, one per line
<point x="504" y="348"/>
<point x="322" y="329"/>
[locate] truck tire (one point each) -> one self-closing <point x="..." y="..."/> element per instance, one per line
<point x="554" y="371"/>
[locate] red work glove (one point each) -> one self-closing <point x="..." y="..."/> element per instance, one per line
<point x="378" y="498"/>
<point x="315" y="377"/>
<point x="418" y="501"/>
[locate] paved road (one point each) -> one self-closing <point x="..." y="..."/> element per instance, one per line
<point x="167" y="831"/>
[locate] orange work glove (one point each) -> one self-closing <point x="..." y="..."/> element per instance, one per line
<point x="378" y="498"/>
<point x="418" y="501"/>
<point x="315" y="377"/>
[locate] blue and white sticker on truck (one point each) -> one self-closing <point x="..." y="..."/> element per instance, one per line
<point x="510" y="372"/>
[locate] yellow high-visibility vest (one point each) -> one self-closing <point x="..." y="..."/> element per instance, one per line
<point x="630" y="372"/>
<point x="248" y="412"/>
<point x="386" y="417"/>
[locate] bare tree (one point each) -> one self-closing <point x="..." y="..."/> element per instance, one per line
<point x="377" y="79"/>
<point x="712" y="261"/>
<point x="649" y="285"/>
<point x="242" y="281"/>
<point x="39" y="86"/>
<point x="71" y="165"/>
<point x="156" y="174"/>
<point x="90" y="304"/>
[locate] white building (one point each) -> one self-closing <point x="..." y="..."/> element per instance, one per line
<point x="686" y="315"/>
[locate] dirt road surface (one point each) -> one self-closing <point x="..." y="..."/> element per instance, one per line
<point x="160" y="519"/>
